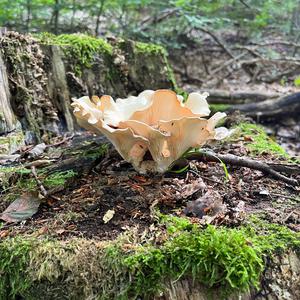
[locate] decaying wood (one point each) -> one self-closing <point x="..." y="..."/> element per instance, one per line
<point x="244" y="162"/>
<point x="279" y="108"/>
<point x="223" y="96"/>
<point x="7" y="118"/>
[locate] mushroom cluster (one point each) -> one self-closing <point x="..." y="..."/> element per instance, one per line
<point x="151" y="130"/>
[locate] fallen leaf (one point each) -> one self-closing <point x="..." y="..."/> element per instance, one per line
<point x="42" y="230"/>
<point x="209" y="204"/>
<point x="193" y="187"/>
<point x="22" y="208"/>
<point x="108" y="216"/>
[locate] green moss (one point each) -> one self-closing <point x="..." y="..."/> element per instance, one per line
<point x="59" y="178"/>
<point x="223" y="258"/>
<point x="79" y="48"/>
<point x="219" y="107"/>
<point x="148" y="48"/>
<point x="49" y="181"/>
<point x="260" y="142"/>
<point x="11" y="142"/>
<point x="152" y="49"/>
<point x="96" y="153"/>
<point x="14" y="258"/>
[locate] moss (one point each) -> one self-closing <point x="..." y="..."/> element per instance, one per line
<point x="259" y="141"/>
<point x="49" y="180"/>
<point x="219" y="107"/>
<point x="79" y="48"/>
<point x="58" y="178"/>
<point x="96" y="153"/>
<point x="224" y="258"/>
<point x="153" y="49"/>
<point x="11" y="142"/>
<point x="14" y="258"/>
<point x="148" y="48"/>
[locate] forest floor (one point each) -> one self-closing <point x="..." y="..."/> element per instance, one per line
<point x="111" y="197"/>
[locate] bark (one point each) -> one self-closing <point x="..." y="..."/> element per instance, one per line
<point x="58" y="88"/>
<point x="8" y="121"/>
<point x="286" y="106"/>
<point x="223" y="96"/>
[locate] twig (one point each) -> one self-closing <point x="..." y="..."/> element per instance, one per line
<point x="226" y="64"/>
<point x="42" y="188"/>
<point x="217" y="40"/>
<point x="243" y="162"/>
<point x="65" y="139"/>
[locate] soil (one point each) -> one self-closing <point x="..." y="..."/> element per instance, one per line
<point x="203" y="194"/>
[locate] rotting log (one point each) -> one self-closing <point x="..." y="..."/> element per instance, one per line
<point x="286" y="106"/>
<point x="238" y="97"/>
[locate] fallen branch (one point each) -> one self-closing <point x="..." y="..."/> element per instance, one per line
<point x="223" y="96"/>
<point x="280" y="108"/>
<point x="242" y="162"/>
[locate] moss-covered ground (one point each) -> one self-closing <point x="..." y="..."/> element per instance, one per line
<point x="227" y="259"/>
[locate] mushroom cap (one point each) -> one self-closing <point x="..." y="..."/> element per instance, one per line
<point x="155" y="121"/>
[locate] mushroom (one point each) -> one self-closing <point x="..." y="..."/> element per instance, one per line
<point x="151" y="130"/>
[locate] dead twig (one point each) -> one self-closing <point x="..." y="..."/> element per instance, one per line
<point x="243" y="162"/>
<point x="64" y="140"/>
<point x="42" y="188"/>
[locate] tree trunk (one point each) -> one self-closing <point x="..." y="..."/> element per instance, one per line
<point x="28" y="19"/>
<point x="56" y="15"/>
<point x="99" y="14"/>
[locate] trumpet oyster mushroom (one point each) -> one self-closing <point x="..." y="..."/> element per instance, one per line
<point x="151" y="130"/>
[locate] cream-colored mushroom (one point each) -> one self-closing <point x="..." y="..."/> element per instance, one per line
<point x="157" y="122"/>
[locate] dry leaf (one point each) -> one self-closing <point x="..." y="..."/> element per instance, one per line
<point x="22" y="208"/>
<point x="108" y="215"/>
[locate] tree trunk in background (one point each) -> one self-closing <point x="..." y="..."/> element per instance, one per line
<point x="73" y="13"/>
<point x="56" y="15"/>
<point x="99" y="14"/>
<point x="28" y="19"/>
